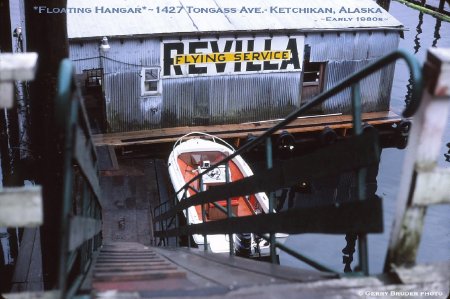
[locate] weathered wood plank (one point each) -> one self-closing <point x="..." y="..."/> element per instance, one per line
<point x="432" y="187"/>
<point x="28" y="270"/>
<point x="344" y="156"/>
<point x="18" y="66"/>
<point x="127" y="260"/>
<point x="15" y="67"/>
<point x="424" y="273"/>
<point x="224" y="261"/>
<point x="217" y="272"/>
<point x="303" y="124"/>
<point x="82" y="229"/>
<point x="423" y="149"/>
<point x="21" y="207"/>
<point x="352" y="217"/>
<point x="33" y="295"/>
<point x="6" y="94"/>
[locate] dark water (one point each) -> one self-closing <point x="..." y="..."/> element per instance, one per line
<point x="424" y="32"/>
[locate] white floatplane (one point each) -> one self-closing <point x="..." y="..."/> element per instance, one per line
<point x="191" y="156"/>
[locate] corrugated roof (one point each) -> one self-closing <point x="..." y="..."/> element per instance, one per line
<point x="88" y="19"/>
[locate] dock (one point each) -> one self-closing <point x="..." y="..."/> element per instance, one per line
<point x="305" y="124"/>
<point x="109" y="242"/>
<point x="132" y="270"/>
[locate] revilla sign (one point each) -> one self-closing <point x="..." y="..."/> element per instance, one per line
<point x="225" y="56"/>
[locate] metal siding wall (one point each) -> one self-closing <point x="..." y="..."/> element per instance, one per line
<point x="351" y="45"/>
<point x="131" y="55"/>
<point x="125" y="55"/>
<point x="126" y="110"/>
<point x="350" y="52"/>
<point x="229" y="99"/>
<point x="375" y="89"/>
<point x="85" y="56"/>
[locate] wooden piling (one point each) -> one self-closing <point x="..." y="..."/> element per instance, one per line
<point x="47" y="35"/>
<point x="425" y="8"/>
<point x="422" y="183"/>
<point x="384" y="3"/>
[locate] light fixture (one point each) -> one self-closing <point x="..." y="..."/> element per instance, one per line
<point x="17" y="32"/>
<point x="104" y="46"/>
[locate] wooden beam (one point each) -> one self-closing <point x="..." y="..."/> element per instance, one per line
<point x="21" y="207"/>
<point x="432" y="187"/>
<point x="33" y="295"/>
<point x="351" y="217"/>
<point x="301" y="125"/>
<point x="15" y="67"/>
<point x="18" y="66"/>
<point x="82" y="229"/>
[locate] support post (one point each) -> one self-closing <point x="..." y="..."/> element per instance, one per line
<point x="229" y="211"/>
<point x="384" y="3"/>
<point x="205" y="238"/>
<point x="441" y="6"/>
<point x="420" y="162"/>
<point x="361" y="176"/>
<point x="269" y="161"/>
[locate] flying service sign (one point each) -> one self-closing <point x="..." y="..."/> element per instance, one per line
<point x="225" y="56"/>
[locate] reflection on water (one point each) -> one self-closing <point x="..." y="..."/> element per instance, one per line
<point x="419" y="31"/>
<point x="435" y="244"/>
<point x="436" y="35"/>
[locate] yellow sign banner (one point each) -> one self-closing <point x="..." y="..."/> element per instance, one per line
<point x="231" y="57"/>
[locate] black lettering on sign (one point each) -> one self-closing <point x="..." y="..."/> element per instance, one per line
<point x="168" y="60"/>
<point x="220" y="67"/>
<point x="292" y="45"/>
<point x="250" y="65"/>
<point x="192" y="50"/>
<point x="237" y="65"/>
<point x="267" y="64"/>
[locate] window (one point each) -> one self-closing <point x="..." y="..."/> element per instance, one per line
<point x="313" y="76"/>
<point x="150" y="81"/>
<point x="93" y="78"/>
<point x="312" y="73"/>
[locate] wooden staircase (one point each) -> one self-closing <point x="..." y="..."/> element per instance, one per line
<point x="129" y="266"/>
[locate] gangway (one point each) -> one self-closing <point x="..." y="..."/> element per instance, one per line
<point x="91" y="266"/>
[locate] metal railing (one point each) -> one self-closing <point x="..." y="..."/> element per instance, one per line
<point x="80" y="233"/>
<point x="355" y="153"/>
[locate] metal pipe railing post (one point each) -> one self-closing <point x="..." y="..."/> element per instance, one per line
<point x="175" y="202"/>
<point x="269" y="161"/>
<point x="361" y="176"/>
<point x="205" y="238"/>
<point x="229" y="212"/>
<point x="187" y="219"/>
